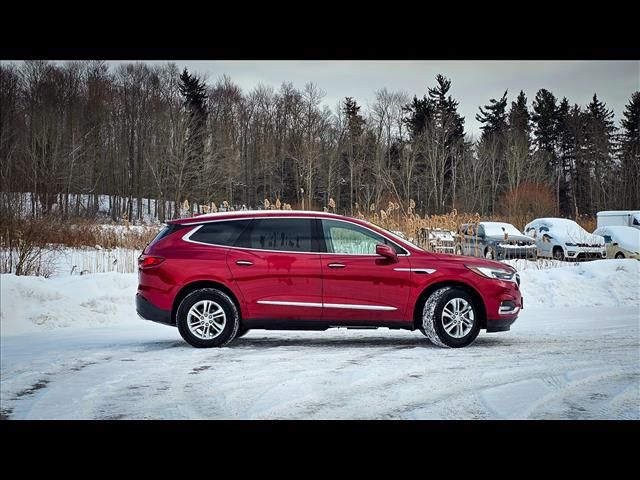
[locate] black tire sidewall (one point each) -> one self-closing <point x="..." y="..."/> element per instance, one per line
<point x="242" y="332"/>
<point x="230" y="310"/>
<point x="555" y="250"/>
<point x="439" y="327"/>
<point x="619" y="256"/>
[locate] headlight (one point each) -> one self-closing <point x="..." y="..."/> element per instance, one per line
<point x="570" y="244"/>
<point x="495" y="273"/>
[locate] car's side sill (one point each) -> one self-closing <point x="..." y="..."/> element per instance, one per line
<point x="279" y="324"/>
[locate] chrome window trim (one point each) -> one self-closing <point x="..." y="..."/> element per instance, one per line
<point x="326" y="305"/>
<point x="187" y="237"/>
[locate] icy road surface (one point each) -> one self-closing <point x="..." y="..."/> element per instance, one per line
<point x="558" y="361"/>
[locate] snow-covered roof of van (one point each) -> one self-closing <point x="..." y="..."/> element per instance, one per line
<point x="619" y="212"/>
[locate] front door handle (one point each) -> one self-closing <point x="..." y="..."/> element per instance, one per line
<point x="244" y="263"/>
<point x="335" y="265"/>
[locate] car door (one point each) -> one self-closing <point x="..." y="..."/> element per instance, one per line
<point x="275" y="265"/>
<point x="358" y="284"/>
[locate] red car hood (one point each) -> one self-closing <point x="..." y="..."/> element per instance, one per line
<point x="418" y="260"/>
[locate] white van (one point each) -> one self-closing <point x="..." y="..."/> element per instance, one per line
<point x="625" y="218"/>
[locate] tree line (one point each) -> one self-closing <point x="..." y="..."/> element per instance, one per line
<point x="152" y="131"/>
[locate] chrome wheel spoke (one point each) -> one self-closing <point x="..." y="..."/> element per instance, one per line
<point x="450" y="326"/>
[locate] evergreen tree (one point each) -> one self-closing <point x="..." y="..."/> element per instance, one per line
<point x="418" y="114"/>
<point x="355" y="129"/>
<point x="630" y="161"/>
<point x="545" y="123"/>
<point x="492" y="147"/>
<point x="493" y="117"/>
<point x="545" y="119"/>
<point x="194" y="92"/>
<point x="445" y="108"/>
<point x="599" y="149"/>
<point x="519" y="167"/>
<point x="519" y="117"/>
<point x="567" y="150"/>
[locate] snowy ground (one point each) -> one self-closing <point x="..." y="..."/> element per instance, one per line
<point x="72" y="347"/>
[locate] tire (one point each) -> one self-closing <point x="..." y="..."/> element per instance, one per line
<point x="242" y="332"/>
<point x="433" y="326"/>
<point x="224" y="314"/>
<point x="558" y="253"/>
<point x="458" y="250"/>
<point x="619" y="255"/>
<point x="490" y="253"/>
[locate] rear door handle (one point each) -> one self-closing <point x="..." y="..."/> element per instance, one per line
<point x="335" y="265"/>
<point x="244" y="263"/>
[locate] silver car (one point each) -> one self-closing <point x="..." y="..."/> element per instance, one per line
<point x="621" y="241"/>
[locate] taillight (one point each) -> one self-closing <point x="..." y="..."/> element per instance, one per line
<point x="146" y="261"/>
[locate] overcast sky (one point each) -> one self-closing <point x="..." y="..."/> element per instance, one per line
<point x="473" y="82"/>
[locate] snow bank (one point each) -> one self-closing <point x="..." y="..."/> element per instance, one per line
<point x="597" y="283"/>
<point x="30" y="304"/>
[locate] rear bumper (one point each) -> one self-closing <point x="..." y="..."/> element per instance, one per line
<point x="149" y="311"/>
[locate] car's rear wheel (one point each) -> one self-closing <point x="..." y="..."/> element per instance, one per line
<point x="619" y="255"/>
<point x="458" y="250"/>
<point x="450" y="318"/>
<point x="207" y="318"/>
<point x="490" y="253"/>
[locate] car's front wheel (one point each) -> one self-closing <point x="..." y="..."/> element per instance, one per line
<point x="619" y="255"/>
<point x="450" y="318"/>
<point x="558" y="253"/>
<point x="207" y="318"/>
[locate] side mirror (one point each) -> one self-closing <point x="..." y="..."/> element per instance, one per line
<point x="615" y="244"/>
<point x="386" y="251"/>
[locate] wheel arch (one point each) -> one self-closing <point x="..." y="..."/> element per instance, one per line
<point x="196" y="285"/>
<point x="426" y="293"/>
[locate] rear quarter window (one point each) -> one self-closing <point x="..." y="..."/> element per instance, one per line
<point x="165" y="232"/>
<point x="220" y="233"/>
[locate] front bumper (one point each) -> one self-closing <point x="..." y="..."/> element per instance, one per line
<point x="508" y="253"/>
<point x="500" y="325"/>
<point x="585" y="252"/>
<point x="149" y="311"/>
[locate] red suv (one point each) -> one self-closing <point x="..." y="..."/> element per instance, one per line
<point x="217" y="276"/>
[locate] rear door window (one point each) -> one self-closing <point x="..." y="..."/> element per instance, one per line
<point x="279" y="234"/>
